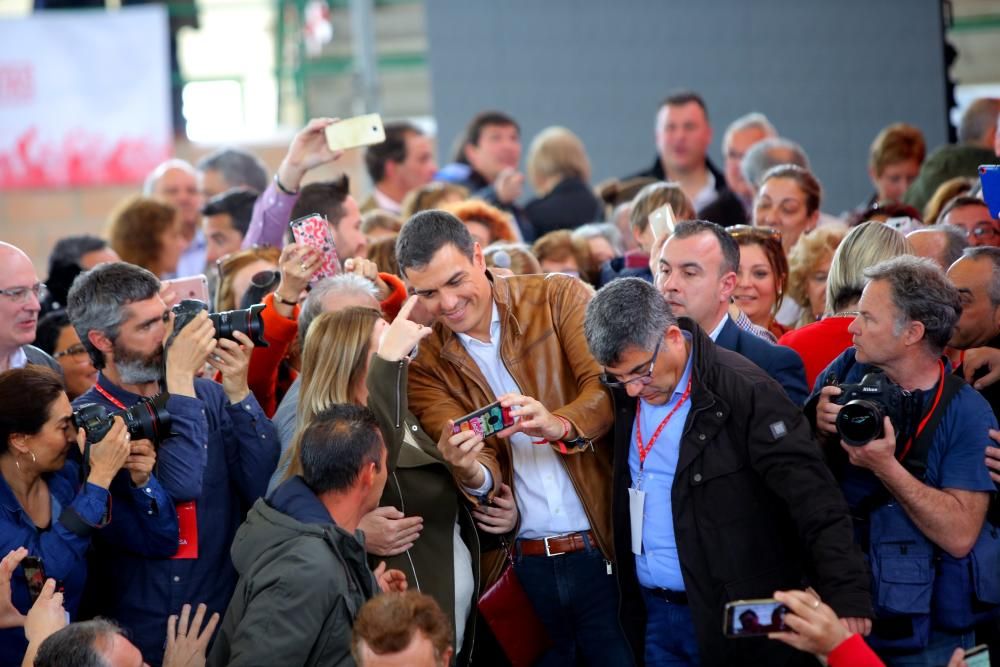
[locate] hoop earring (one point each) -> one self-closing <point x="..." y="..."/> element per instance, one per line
<point x="17" y="461"/>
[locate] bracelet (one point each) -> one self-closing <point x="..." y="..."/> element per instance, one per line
<point x="566" y="427"/>
<point x="284" y="300"/>
<point x="277" y="183"/>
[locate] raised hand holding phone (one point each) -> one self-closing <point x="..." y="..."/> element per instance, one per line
<point x="314" y="231"/>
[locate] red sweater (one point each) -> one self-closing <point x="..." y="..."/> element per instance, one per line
<point x="819" y="343"/>
<point x="853" y="652"/>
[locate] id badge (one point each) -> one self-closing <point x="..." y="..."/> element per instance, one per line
<point x="187" y="525"/>
<point x="636" y="504"/>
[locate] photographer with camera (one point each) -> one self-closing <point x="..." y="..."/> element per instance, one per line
<point x="914" y="436"/>
<point x="46" y="504"/>
<point x="214" y="460"/>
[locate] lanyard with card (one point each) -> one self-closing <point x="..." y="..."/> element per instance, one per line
<point x="187" y="516"/>
<point x="636" y="496"/>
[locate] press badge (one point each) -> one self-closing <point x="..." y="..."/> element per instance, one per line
<point x="187" y="529"/>
<point x="636" y="503"/>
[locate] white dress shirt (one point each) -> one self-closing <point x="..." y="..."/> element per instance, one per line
<point x="386" y="203"/>
<point x="546" y="499"/>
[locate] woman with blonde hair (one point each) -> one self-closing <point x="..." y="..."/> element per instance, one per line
<point x="354" y="356"/>
<point x="821" y="342"/>
<point x="808" y="266"/>
<point x="559" y="172"/>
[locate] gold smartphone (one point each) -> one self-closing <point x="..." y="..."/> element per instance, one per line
<point x="354" y="132"/>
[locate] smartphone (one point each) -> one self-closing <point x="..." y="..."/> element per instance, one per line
<point x="314" y="231"/>
<point x="661" y="221"/>
<point x="485" y="421"/>
<point x="754" y="618"/>
<point x="193" y="287"/>
<point x="978" y="656"/>
<point x="989" y="178"/>
<point x="34" y="572"/>
<point x="353" y="132"/>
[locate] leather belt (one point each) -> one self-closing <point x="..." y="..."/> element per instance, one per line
<point x="673" y="597"/>
<point x="557" y="544"/>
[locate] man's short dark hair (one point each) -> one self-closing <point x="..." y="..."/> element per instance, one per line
<point x="64" y="263"/>
<point x="387" y="624"/>
<point x="921" y="293"/>
<point x="730" y="249"/>
<point x="76" y="645"/>
<point x="960" y="201"/>
<point x="98" y="298"/>
<point x="988" y="253"/>
<point x="681" y="97"/>
<point x="326" y="198"/>
<point x="48" y="330"/>
<point x="336" y="444"/>
<point x="237" y="203"/>
<point x="627" y="312"/>
<point x="238" y="168"/>
<point x="393" y="148"/>
<point x="426" y="233"/>
<point x="475" y="128"/>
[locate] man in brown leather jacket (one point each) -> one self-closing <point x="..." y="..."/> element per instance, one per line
<point x="520" y="340"/>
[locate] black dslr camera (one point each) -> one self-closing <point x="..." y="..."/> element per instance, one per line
<point x="148" y="419"/>
<point x="248" y="321"/>
<point x="867" y="403"/>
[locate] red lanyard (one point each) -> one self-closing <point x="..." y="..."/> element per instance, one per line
<point x="644" y="451"/>
<point x="114" y="401"/>
<point x="927" y="417"/>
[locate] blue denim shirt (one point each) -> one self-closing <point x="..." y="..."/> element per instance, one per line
<point x="140" y="519"/>
<point x="221" y="456"/>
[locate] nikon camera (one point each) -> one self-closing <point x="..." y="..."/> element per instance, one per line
<point x="867" y="403"/>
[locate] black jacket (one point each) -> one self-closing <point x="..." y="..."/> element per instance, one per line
<point x="755" y="508"/>
<point x="782" y="363"/>
<point x="725" y="209"/>
<point x="568" y="205"/>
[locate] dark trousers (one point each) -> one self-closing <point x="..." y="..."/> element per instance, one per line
<point x="577" y="600"/>
<point x="670" y="638"/>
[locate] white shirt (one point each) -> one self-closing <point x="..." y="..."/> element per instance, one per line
<point x="707" y="194"/>
<point x="17" y="360"/>
<point x="192" y="261"/>
<point x="714" y="335"/>
<point x="386" y="203"/>
<point x="545" y="496"/>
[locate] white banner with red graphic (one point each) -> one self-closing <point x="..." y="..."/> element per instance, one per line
<point x="84" y="97"/>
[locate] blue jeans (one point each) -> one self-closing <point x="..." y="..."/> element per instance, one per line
<point x="670" y="638"/>
<point x="577" y="600"/>
<point x="940" y="646"/>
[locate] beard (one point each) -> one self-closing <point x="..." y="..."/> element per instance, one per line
<point x="136" y="368"/>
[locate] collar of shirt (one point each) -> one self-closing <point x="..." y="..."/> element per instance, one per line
<point x="707" y="194"/>
<point x="714" y="335"/>
<point x="681" y="383"/>
<point x="19" y="359"/>
<point x="386" y="203"/>
<point x="494" y="332"/>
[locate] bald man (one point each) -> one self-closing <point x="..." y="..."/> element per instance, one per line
<point x="175" y="182"/>
<point x="943" y="244"/>
<point x="20" y="302"/>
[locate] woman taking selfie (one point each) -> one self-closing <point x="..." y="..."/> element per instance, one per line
<point x="354" y="356"/>
<point x="46" y="507"/>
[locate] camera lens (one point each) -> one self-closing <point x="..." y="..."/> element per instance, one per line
<point x="148" y="420"/>
<point x="249" y="321"/>
<point x="859" y="422"/>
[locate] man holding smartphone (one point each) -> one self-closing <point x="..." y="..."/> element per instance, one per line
<point x="519" y="340"/>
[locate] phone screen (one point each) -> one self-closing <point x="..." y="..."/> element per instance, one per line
<point x="34" y="572"/>
<point x="989" y="178"/>
<point x="753" y="618"/>
<point x="314" y="231"/>
<point x="978" y="656"/>
<point x="485" y="421"/>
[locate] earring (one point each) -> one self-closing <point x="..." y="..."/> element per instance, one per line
<point x="17" y="461"/>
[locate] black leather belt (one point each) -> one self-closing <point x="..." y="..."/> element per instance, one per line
<point x="673" y="597"/>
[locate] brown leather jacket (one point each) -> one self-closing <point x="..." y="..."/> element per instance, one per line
<point x="543" y="347"/>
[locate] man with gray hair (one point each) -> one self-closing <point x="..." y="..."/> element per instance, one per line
<point x="942" y="244"/>
<point x="176" y="183"/>
<point x="229" y="168"/>
<point x="769" y="153"/>
<point x="723" y="495"/>
<point x="741" y="135"/>
<point x="913" y="473"/>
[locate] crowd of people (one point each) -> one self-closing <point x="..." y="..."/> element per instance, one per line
<point x="754" y="399"/>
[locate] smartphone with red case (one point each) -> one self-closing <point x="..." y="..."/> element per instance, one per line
<point x="485" y="421"/>
<point x="314" y="231"/>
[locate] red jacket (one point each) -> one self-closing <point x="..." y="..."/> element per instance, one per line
<point x="853" y="652"/>
<point x="819" y="344"/>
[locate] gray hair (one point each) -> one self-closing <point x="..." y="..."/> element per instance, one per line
<point x="769" y="153"/>
<point x="921" y="293"/>
<point x="238" y="168"/>
<point x="76" y="644"/>
<point x="149" y="185"/>
<point x="991" y="254"/>
<point x="753" y="120"/>
<point x="345" y="283"/>
<point x="97" y="300"/>
<point x="605" y="230"/>
<point x="978" y="119"/>
<point x="957" y="242"/>
<point x="625" y="313"/>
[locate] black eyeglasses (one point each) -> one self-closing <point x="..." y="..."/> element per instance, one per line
<point x="612" y="381"/>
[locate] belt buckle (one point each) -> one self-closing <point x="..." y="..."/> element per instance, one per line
<point x="548" y="552"/>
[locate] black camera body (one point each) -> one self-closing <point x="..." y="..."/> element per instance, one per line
<point x="867" y="403"/>
<point x="148" y="419"/>
<point x="249" y="321"/>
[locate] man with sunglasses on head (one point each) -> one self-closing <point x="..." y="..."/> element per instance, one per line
<point x="21" y="295"/>
<point x="719" y="491"/>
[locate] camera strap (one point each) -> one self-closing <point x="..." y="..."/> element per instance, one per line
<point x="106" y="394"/>
<point x="914" y="454"/>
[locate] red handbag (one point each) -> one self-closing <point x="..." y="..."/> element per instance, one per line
<point x="507" y="610"/>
